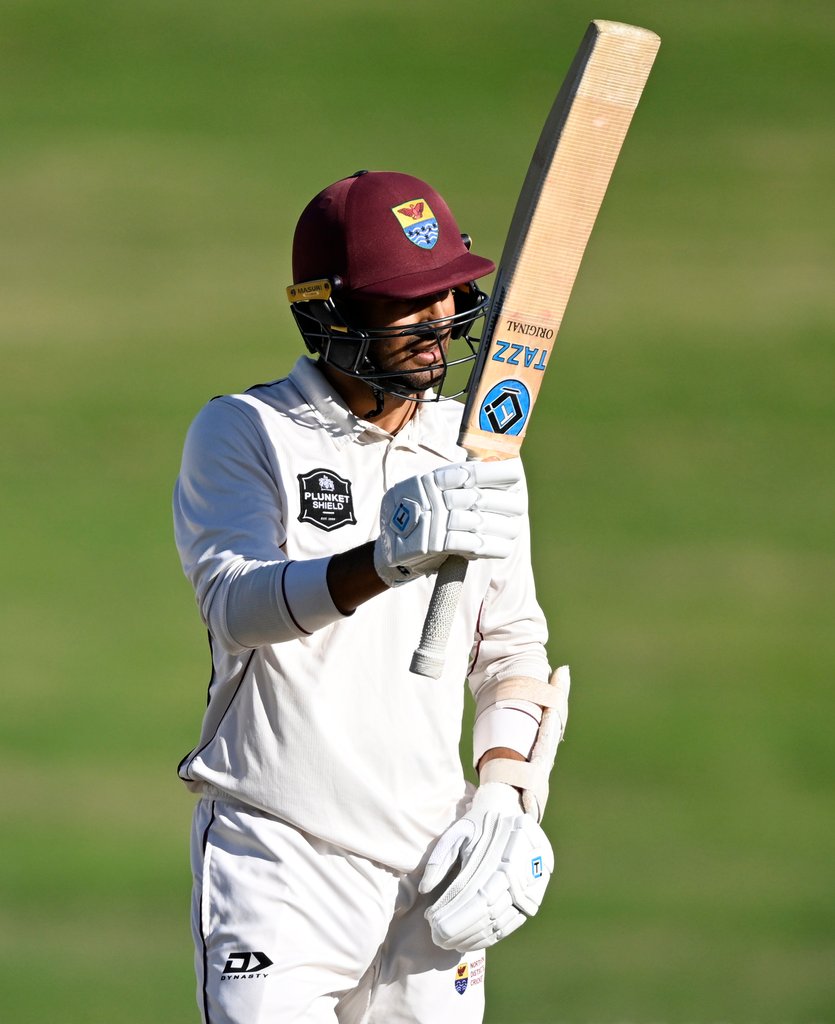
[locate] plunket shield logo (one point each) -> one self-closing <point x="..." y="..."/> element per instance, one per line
<point x="325" y="499"/>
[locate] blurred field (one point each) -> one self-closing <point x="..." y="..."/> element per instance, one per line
<point x="154" y="158"/>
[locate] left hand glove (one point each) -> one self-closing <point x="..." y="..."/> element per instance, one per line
<point x="506" y="863"/>
<point x="472" y="509"/>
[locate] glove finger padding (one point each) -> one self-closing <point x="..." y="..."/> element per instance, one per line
<point x="506" y="864"/>
<point x="484" y="526"/>
<point x="502" y="474"/>
<point x="461" y="509"/>
<point x="466" y="928"/>
<point x="445" y="853"/>
<point x="506" y="503"/>
<point x="479" y="535"/>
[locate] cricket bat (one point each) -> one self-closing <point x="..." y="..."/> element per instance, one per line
<point x="557" y="207"/>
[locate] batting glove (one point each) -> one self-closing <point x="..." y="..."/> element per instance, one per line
<point x="471" y="509"/>
<point x="506" y="862"/>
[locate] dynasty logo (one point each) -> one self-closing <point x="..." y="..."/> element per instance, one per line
<point x="246" y="965"/>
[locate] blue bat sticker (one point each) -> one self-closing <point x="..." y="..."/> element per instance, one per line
<point x="505" y="408"/>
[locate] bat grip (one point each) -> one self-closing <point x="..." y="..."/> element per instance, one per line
<point x="428" y="660"/>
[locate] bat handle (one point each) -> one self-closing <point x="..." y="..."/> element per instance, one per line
<point x="430" y="656"/>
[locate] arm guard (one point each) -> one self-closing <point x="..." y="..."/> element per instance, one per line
<point x="531" y="776"/>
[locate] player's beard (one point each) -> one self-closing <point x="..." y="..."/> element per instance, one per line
<point x="417" y="364"/>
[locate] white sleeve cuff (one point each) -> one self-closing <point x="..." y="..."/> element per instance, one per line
<point x="306" y="595"/>
<point x="508" y="723"/>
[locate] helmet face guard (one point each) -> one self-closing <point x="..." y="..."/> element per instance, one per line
<point x="329" y="330"/>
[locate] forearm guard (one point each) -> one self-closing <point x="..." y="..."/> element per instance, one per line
<point x="531" y="776"/>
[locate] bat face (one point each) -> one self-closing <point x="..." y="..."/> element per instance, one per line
<point x="557" y="207"/>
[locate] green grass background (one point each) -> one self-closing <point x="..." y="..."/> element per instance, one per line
<point x="153" y="159"/>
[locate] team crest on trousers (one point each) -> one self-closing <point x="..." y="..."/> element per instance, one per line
<point x="325" y="499"/>
<point x="462" y="978"/>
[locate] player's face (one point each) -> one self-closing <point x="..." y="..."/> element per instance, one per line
<point x="416" y="358"/>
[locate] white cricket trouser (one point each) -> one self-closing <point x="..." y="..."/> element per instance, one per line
<point x="289" y="928"/>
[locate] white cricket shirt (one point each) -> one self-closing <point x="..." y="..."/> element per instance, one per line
<point x="314" y="716"/>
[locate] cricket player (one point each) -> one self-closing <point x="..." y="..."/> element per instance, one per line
<point x="344" y="870"/>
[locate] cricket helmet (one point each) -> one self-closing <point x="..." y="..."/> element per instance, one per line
<point x="385" y="235"/>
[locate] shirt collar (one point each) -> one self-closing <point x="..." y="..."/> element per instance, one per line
<point x="428" y="428"/>
<point x="336" y="418"/>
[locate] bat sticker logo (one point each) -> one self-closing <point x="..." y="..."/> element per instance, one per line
<point x="505" y="408"/>
<point x="418" y="221"/>
<point x="535" y="357"/>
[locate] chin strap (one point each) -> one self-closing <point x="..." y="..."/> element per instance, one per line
<point x="379" y="398"/>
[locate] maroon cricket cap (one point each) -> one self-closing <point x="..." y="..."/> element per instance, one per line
<point x="384" y="234"/>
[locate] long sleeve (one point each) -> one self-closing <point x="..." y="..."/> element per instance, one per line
<point x="230" y="532"/>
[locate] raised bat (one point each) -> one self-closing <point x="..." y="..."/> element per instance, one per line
<point x="557" y="207"/>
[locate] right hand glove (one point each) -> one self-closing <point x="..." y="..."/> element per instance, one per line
<point x="504" y="862"/>
<point x="471" y="509"/>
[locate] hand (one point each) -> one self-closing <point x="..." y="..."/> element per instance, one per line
<point x="506" y="862"/>
<point x="471" y="509"/>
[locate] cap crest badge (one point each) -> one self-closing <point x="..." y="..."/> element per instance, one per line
<point x="418" y="221"/>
